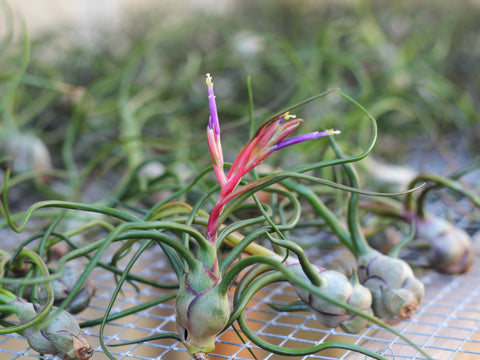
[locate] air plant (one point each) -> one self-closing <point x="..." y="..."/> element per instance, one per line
<point x="27" y="149"/>
<point x="48" y="330"/>
<point x="61" y="288"/>
<point x="31" y="155"/>
<point x="340" y="294"/>
<point x="449" y="247"/>
<point x="330" y="294"/>
<point x="338" y="286"/>
<point x="202" y="305"/>
<point x="445" y="247"/>
<point x="395" y="289"/>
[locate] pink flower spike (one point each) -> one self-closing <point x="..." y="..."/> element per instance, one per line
<point x="217" y="158"/>
<point x="258" y="147"/>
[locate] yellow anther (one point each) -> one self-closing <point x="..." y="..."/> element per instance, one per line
<point x="333" y="132"/>
<point x="287" y="116"/>
<point x="209" y="80"/>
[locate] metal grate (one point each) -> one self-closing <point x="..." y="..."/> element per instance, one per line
<point x="447" y="324"/>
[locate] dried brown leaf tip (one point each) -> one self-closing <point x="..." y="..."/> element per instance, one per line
<point x="81" y="347"/>
<point x="200" y="356"/>
<point x="409" y="308"/>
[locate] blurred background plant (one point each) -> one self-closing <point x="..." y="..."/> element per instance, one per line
<point x="121" y="113"/>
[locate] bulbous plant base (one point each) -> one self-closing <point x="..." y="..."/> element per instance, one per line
<point x="339" y="287"/>
<point x="400" y="302"/>
<point x="202" y="309"/>
<point x="396" y="292"/>
<point x="61" y="337"/>
<point x="450" y="247"/>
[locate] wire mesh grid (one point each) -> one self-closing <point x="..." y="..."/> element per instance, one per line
<point x="447" y="323"/>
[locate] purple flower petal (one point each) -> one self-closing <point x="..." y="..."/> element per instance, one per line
<point x="301" y="138"/>
<point x="213" y="122"/>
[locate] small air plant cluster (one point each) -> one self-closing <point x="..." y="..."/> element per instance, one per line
<point x="433" y="241"/>
<point x="49" y="329"/>
<point x="215" y="252"/>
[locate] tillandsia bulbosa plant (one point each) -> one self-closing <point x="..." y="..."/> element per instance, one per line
<point x="48" y="329"/>
<point x="193" y="239"/>
<point x="396" y="292"/>
<point x="61" y="288"/>
<point x="336" y="300"/>
<point x="437" y="242"/>
<point x="449" y="247"/>
<point x="202" y="304"/>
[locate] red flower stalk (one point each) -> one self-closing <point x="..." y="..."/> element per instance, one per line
<point x="270" y="137"/>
